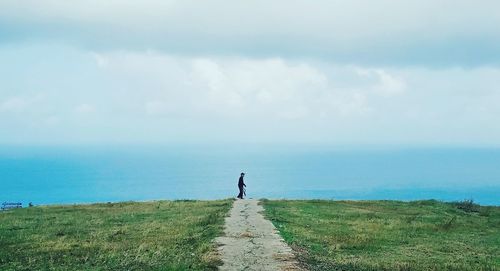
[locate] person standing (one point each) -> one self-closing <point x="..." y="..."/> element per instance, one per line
<point x="241" y="184"/>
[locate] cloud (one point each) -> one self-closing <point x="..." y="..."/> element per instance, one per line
<point x="52" y="120"/>
<point x="159" y="108"/>
<point x="224" y="87"/>
<point x="152" y="96"/>
<point x="14" y="104"/>
<point x="328" y="71"/>
<point x="271" y="87"/>
<point x="20" y="104"/>
<point x="101" y="61"/>
<point x="84" y="109"/>
<point x="388" y="84"/>
<point x="442" y="33"/>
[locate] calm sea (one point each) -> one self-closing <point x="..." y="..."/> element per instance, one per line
<point x="97" y="174"/>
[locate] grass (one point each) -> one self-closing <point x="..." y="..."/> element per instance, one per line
<point x="389" y="235"/>
<point x="162" y="235"/>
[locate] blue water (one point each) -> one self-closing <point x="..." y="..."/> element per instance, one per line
<point x="44" y="175"/>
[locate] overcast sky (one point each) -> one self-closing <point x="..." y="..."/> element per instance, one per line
<point x="423" y="72"/>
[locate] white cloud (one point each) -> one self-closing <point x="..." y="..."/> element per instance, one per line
<point x="157" y="108"/>
<point x="220" y="89"/>
<point x="101" y="60"/>
<point x="225" y="87"/>
<point x="22" y="103"/>
<point x="424" y="32"/>
<point x="149" y="96"/>
<point x="357" y="104"/>
<point x="52" y="120"/>
<point x="388" y="84"/>
<point x="84" y="109"/>
<point x="14" y="104"/>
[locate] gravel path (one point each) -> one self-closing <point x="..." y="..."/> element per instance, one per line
<point x="251" y="242"/>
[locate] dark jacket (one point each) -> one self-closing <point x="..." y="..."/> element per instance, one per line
<point x="240" y="182"/>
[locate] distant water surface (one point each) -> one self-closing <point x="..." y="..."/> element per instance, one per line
<point x="98" y="174"/>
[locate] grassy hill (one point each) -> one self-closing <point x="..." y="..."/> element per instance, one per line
<point x="162" y="235"/>
<point x="389" y="235"/>
<point x="178" y="235"/>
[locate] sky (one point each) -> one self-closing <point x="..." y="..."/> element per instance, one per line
<point x="325" y="72"/>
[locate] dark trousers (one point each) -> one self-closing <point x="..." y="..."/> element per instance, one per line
<point x="240" y="195"/>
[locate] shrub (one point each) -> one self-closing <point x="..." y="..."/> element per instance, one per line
<point x="467" y="206"/>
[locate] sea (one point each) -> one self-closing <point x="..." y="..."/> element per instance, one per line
<point x="89" y="174"/>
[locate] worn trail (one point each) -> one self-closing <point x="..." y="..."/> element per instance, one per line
<point x="251" y="242"/>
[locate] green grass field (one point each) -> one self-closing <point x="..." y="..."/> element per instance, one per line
<point x="178" y="235"/>
<point x="163" y="235"/>
<point x="388" y="235"/>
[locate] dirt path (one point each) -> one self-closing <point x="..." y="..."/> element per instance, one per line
<point x="252" y="242"/>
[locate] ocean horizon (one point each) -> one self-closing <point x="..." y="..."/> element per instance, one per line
<point x="67" y="175"/>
